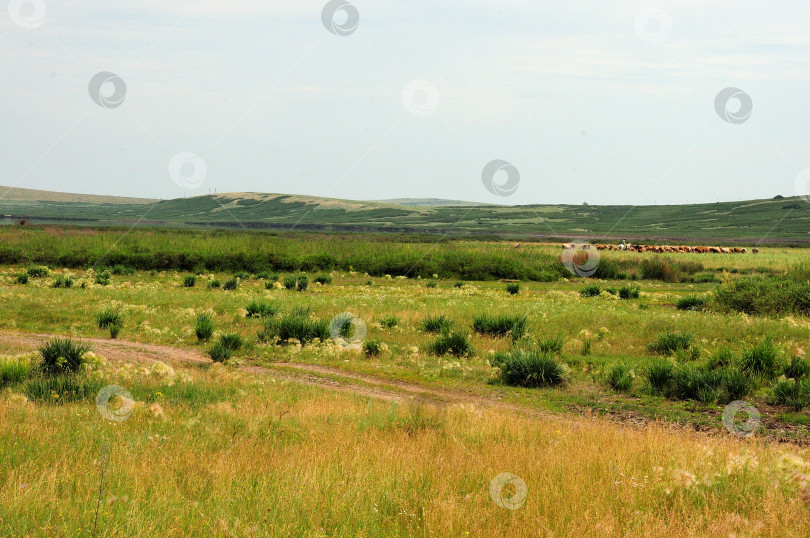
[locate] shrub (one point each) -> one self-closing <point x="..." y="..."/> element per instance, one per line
<point x="671" y="342"/>
<point x="261" y="309"/>
<point x="13" y="371"/>
<point x="794" y="394"/>
<point x="372" y="348"/>
<point x="591" y="290"/>
<point x="436" y="324"/>
<point x="22" y="278"/>
<point x="62" y="356"/>
<point x="455" y="343"/>
<point x="102" y="279"/>
<point x="231" y="284"/>
<point x="619" y="377"/>
<point x="189" y="281"/>
<point x="513" y="288"/>
<point x="389" y="322"/>
<point x="219" y="353"/>
<point x="764" y="296"/>
<point x="659" y="374"/>
<point x="38" y="272"/>
<point x="657" y="269"/>
<point x="797" y="369"/>
<point x="500" y="325"/>
<point x="761" y="360"/>
<point x="691" y="302"/>
<point x="628" y="292"/>
<point x="204" y="328"/>
<point x="323" y="279"/>
<point x="531" y="369"/>
<point x="214" y="284"/>
<point x="232" y="342"/>
<point x="552" y="344"/>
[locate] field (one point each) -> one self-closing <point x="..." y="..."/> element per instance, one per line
<point x="479" y="359"/>
<point x="779" y="220"/>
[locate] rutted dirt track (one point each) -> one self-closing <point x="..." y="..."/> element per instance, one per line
<point x="308" y="374"/>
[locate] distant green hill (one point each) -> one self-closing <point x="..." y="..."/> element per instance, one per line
<point x="768" y="221"/>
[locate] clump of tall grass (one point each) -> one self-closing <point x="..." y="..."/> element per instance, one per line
<point x="298" y="325"/>
<point x="659" y="374"/>
<point x="372" y="348"/>
<point x="791" y="393"/>
<point x="501" y="325"/>
<point x="628" y="292"/>
<point x="761" y="360"/>
<point x="231" y="284"/>
<point x="551" y="344"/>
<point x="62" y="356"/>
<point x="224" y="349"/>
<point x="619" y="377"/>
<point x="455" y="343"/>
<point x="513" y="288"/>
<point x="436" y="323"/>
<point x="797" y="368"/>
<point x="298" y="282"/>
<point x="691" y="302"/>
<point x="657" y="269"/>
<point x="111" y="319"/>
<point x="323" y="279"/>
<point x="524" y="368"/>
<point x="431" y="284"/>
<point x="389" y="322"/>
<point x="22" y="278"/>
<point x="63" y="282"/>
<point x="670" y="342"/>
<point x="38" y="272"/>
<point x="102" y="279"/>
<point x="204" y="328"/>
<point x="189" y="281"/>
<point x="261" y="309"/>
<point x="214" y="284"/>
<point x="591" y="290"/>
<point x="14" y="370"/>
<point x="60" y="389"/>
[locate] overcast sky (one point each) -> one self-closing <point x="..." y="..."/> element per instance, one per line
<point x="604" y="102"/>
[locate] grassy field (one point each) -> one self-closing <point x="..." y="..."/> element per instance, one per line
<point x="385" y="435"/>
<point x="750" y="222"/>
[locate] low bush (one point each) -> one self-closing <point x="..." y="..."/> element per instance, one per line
<point x="691" y="302"/>
<point x="764" y="296"/>
<point x="591" y="290"/>
<point x="189" y="281"/>
<point x="513" y="288"/>
<point x="323" y="279"/>
<point x="22" y="278"/>
<point x="524" y="368"/>
<point x="436" y="324"/>
<point x="455" y="343"/>
<point x="204" y="328"/>
<point x="62" y="356"/>
<point x="501" y="325"/>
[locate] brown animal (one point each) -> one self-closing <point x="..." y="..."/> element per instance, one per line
<point x="755" y="250"/>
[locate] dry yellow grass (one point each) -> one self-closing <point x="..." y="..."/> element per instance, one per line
<point x="213" y="452"/>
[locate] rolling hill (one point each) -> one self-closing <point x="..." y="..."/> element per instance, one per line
<point x="775" y="220"/>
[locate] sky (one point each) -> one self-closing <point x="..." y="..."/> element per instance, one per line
<point x="509" y="102"/>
